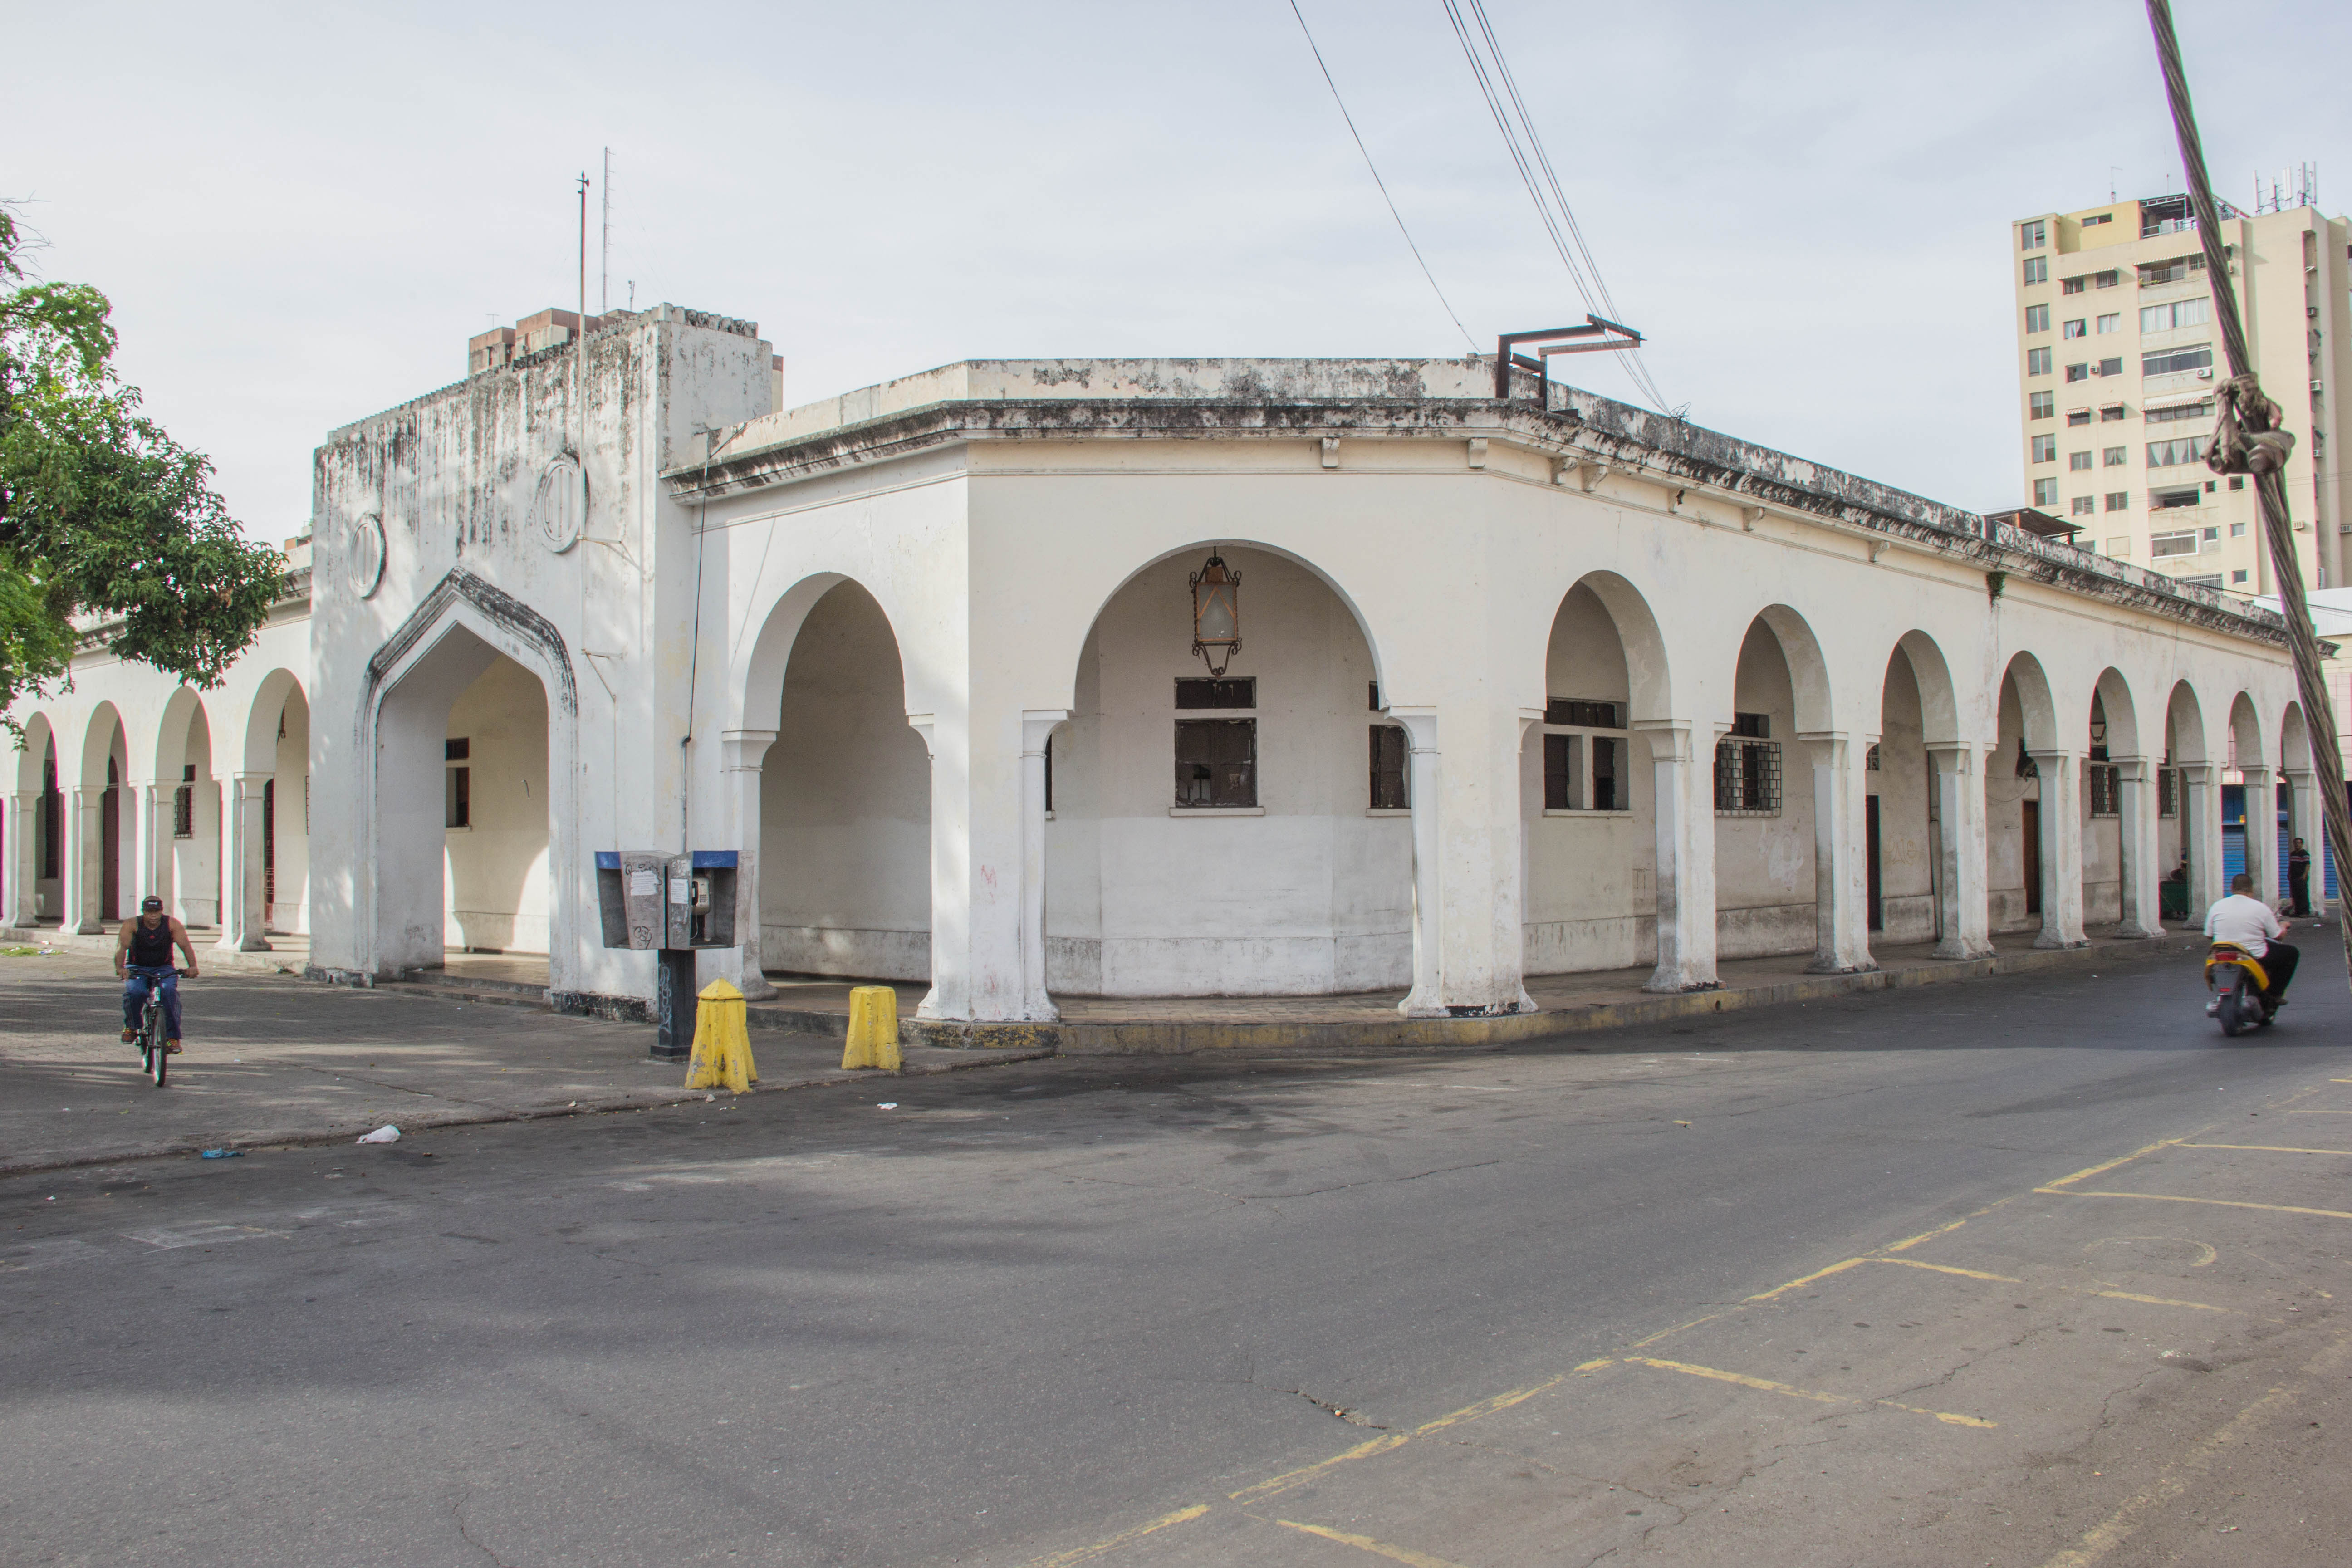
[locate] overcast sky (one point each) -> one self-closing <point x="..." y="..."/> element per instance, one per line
<point x="303" y="212"/>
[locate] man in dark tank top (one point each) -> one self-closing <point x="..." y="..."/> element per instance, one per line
<point x="142" y="961"/>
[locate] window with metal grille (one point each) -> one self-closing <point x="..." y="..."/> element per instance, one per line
<point x="1049" y="773"/>
<point x="53" y="827"/>
<point x="1755" y="726"/>
<point x="1870" y="760"/>
<point x="457" y="800"/>
<point x="1584" y="714"/>
<point x="2169" y="362"/>
<point x="184" y="804"/>
<point x="2168" y="792"/>
<point x="1217" y="761"/>
<point x="1390" y="756"/>
<point x="1239" y="693"/>
<point x="2106" y="790"/>
<point x="1746" y="777"/>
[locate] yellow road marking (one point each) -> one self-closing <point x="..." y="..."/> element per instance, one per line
<point x="1791" y="1285"/>
<point x="1766" y="1385"/>
<point x="2267" y="1149"/>
<point x="1366" y="1543"/>
<point x="1910" y="1242"/>
<point x="1485" y="1408"/>
<point x="1946" y="1269"/>
<point x="2218" y="1203"/>
<point x="2109" y="1165"/>
<point x="1678" y="1328"/>
<point x="2165" y="1301"/>
<point x="1596" y="1365"/>
<point x="1294" y="1478"/>
<point x="2113" y="1531"/>
<point x="1080" y="1554"/>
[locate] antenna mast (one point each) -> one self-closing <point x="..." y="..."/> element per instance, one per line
<point x="580" y="349"/>
<point x="605" y="285"/>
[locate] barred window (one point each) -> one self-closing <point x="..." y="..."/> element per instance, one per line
<point x="2168" y="792"/>
<point x="2106" y="790"/>
<point x="183" y="804"/>
<point x="1746" y="777"/>
<point x="1389" y="771"/>
<point x="1584" y="714"/>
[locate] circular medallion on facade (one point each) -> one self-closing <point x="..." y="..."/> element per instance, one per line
<point x="560" y="509"/>
<point x="363" y="554"/>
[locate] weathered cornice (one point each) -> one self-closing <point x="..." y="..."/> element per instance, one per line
<point x="1580" y="428"/>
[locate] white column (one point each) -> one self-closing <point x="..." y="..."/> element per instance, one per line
<point x="743" y="754"/>
<point x="1421" y="733"/>
<point x="20" y="907"/>
<point x="2062" y="850"/>
<point x="1685" y="800"/>
<point x="2200" y="831"/>
<point x="2305" y="822"/>
<point x="2136" y="804"/>
<point x="241" y="830"/>
<point x="1037" y="725"/>
<point x="80" y="885"/>
<point x="1841" y="870"/>
<point x="1961" y="880"/>
<point x="2262" y="833"/>
<point x="155" y="814"/>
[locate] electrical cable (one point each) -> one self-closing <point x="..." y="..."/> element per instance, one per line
<point x="1527" y="155"/>
<point x="1367" y="151"/>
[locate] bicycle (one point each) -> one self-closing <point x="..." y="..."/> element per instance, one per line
<point x="155" y="1043"/>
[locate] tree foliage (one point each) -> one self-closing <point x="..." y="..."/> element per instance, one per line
<point x="102" y="515"/>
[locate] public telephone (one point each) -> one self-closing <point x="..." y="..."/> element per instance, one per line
<point x="650" y="900"/>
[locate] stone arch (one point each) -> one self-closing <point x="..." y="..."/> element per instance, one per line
<point x="30" y="824"/>
<point x="1067" y="658"/>
<point x="1809" y="674"/>
<point x="1289" y="808"/>
<point x="1648" y="670"/>
<point x="1940" y="707"/>
<point x="2295" y="754"/>
<point x="2246" y="749"/>
<point x="463" y="628"/>
<point x="843" y="811"/>
<point x="101" y="729"/>
<point x="2184" y="717"/>
<point x="2115" y="703"/>
<point x="40" y="733"/>
<point x="2037" y="707"/>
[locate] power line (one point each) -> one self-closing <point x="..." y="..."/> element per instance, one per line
<point x="1378" y="181"/>
<point x="1525" y="147"/>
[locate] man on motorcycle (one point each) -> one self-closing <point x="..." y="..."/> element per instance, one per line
<point x="2246" y="921"/>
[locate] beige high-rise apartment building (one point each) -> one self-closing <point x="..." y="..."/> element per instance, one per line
<point x="2119" y="356"/>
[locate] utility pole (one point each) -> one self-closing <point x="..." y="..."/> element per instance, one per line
<point x="2247" y="441"/>
<point x="580" y="349"/>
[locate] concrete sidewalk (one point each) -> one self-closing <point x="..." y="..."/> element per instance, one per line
<point x="273" y="1061"/>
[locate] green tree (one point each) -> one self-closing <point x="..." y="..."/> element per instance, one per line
<point x="101" y="514"/>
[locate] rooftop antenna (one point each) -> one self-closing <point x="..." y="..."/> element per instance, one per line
<point x="605" y="278"/>
<point x="579" y="352"/>
<point x="2115" y="173"/>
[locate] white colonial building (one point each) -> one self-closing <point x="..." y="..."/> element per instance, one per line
<point x="1524" y="686"/>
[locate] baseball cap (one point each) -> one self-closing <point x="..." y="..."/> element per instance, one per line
<point x="150" y="904"/>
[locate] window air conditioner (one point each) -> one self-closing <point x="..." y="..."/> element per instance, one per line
<point x="2205" y="374"/>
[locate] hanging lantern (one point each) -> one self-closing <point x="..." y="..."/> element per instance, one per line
<point x="2098" y="729"/>
<point x="1216" y="615"/>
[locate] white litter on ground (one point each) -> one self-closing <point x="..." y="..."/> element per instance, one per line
<point x="387" y="1134"/>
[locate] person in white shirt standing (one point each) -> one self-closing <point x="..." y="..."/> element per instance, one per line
<point x="2248" y="922"/>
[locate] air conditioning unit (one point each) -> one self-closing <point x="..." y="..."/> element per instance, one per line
<point x="2205" y="374"/>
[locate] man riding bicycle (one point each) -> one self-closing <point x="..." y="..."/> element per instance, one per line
<point x="142" y="961"/>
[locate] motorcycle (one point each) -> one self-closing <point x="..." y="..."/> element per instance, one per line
<point x="2238" y="981"/>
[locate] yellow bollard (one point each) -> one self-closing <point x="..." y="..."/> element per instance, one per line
<point x="873" y="1028"/>
<point x="722" y="1044"/>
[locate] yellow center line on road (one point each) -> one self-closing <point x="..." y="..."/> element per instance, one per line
<point x="1948" y="1268"/>
<point x="1366" y="1543"/>
<point x="1766" y="1385"/>
<point x="1081" y="1554"/>
<point x="2218" y="1203"/>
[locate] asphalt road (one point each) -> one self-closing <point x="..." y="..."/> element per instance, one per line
<point x="1844" y="1283"/>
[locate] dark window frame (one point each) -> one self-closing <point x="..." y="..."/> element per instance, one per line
<point x="1233" y="693"/>
<point x="1197" y="776"/>
<point x="1392" y="769"/>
